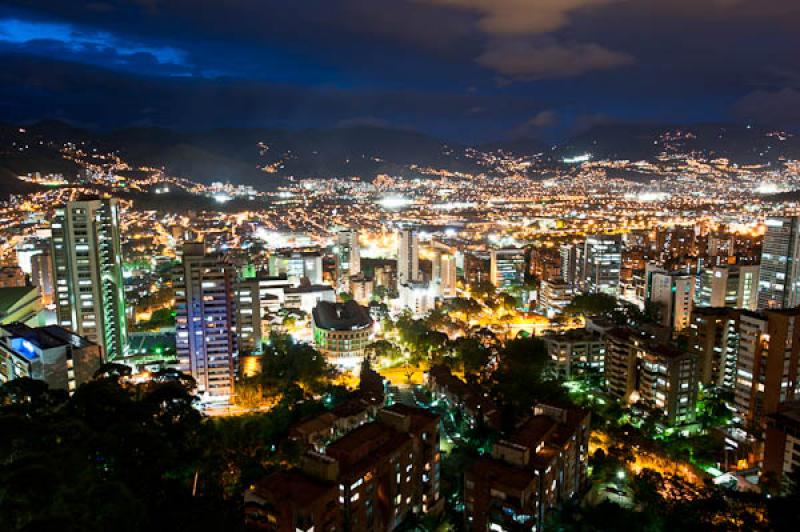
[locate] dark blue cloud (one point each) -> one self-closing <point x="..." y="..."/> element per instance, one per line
<point x="465" y="68"/>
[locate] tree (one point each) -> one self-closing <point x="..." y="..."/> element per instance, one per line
<point x="466" y="306"/>
<point x="472" y="355"/>
<point x="518" y="382"/>
<point x="286" y="362"/>
<point x="592" y="305"/>
<point x="483" y="290"/>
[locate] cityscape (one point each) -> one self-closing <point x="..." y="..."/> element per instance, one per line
<point x="217" y="316"/>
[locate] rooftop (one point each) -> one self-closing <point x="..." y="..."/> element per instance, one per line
<point x="500" y="474"/>
<point x="45" y="337"/>
<point x="291" y="488"/>
<point x="11" y="296"/>
<point x="341" y="316"/>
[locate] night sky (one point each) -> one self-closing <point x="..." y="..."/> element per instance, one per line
<point x="467" y="70"/>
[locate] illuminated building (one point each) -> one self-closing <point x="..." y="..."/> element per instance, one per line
<point x="729" y="286"/>
<point x="361" y="288"/>
<point x="348" y="253"/>
<point x="249" y="314"/>
<point x="443" y="273"/>
<point x="419" y="297"/>
<point x="656" y="375"/>
<point x="305" y="298"/>
<point x="673" y="293"/>
<point x="619" y="367"/>
<point x="341" y="332"/>
<point x="667" y="380"/>
<point x="52" y="354"/>
<point x="407" y="256"/>
<point x="766" y="364"/>
<point x="542" y="464"/>
<point x="782" y="445"/>
<point x="469" y="398"/>
<point x="42" y="276"/>
<point x="297" y="265"/>
<point x="372" y="478"/>
<point x="713" y="336"/>
<point x="779" y="276"/>
<point x="87" y="266"/>
<point x="206" y="320"/>
<point x="477" y="267"/>
<point x="507" y="266"/>
<point x="600" y="265"/>
<point x="569" y="254"/>
<point x="576" y="353"/>
<point x="675" y="242"/>
<point x="554" y="296"/>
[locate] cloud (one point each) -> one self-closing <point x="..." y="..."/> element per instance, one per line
<point x="93" y="46"/>
<point x="517" y="45"/>
<point x="537" y="124"/>
<point x="780" y="107"/>
<point x="543" y="60"/>
<point x="499" y="17"/>
<point x="546" y="118"/>
<point x="588" y="121"/>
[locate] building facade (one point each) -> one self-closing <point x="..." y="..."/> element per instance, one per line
<point x="52" y="354"/>
<point x="342" y="332"/>
<point x="507" y="266"/>
<point x="87" y="267"/>
<point x="206" y="320"/>
<point x="779" y="275"/>
<point x="407" y="256"/>
<point x="601" y="264"/>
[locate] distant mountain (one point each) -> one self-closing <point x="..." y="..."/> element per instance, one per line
<point x="264" y="156"/>
<point x="519" y="146"/>
<point x="255" y="156"/>
<point x="739" y="143"/>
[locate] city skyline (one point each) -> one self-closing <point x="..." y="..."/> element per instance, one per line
<point x="400" y="265"/>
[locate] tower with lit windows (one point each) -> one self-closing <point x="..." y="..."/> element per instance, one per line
<point x="87" y="268"/>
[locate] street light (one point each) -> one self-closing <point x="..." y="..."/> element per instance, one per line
<point x="621" y="474"/>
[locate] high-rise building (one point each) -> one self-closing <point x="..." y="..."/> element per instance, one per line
<point x="779" y="276"/>
<point x="250" y="313"/>
<point x="42" y="276"/>
<point x="728" y="286"/>
<point x="507" y="266"/>
<point x="766" y="364"/>
<point x="372" y="478"/>
<point x="713" y="336"/>
<point x="444" y="272"/>
<point x="569" y="262"/>
<point x="554" y="296"/>
<point x="52" y="354"/>
<point x="601" y="264"/>
<point x="407" y="256"/>
<point x="673" y="293"/>
<point x="348" y="253"/>
<point x="782" y="445"/>
<point x="576" y="353"/>
<point x="205" y="324"/>
<point x="667" y="381"/>
<point x="297" y="265"/>
<point x="659" y="376"/>
<point x="87" y="267"/>
<point x="542" y="464"/>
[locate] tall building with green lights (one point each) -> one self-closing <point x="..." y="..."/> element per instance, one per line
<point x="87" y="267"/>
